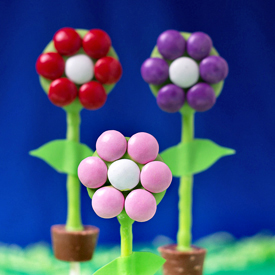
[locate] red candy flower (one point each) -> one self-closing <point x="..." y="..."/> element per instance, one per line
<point x="75" y="64"/>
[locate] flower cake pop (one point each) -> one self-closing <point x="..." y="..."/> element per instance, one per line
<point x="77" y="69"/>
<point x="185" y="72"/>
<point x="79" y="64"/>
<point x="126" y="178"/>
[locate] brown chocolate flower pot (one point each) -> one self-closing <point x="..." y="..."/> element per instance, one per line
<point x="74" y="246"/>
<point x="182" y="262"/>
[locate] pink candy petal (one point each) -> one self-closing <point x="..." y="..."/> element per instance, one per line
<point x="140" y="205"/>
<point x="156" y="176"/>
<point x="143" y="147"/>
<point x="92" y="172"/>
<point x="111" y="145"/>
<point x="108" y="202"/>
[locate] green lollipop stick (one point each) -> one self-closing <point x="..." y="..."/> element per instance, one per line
<point x="73" y="222"/>
<point x="126" y="234"/>
<point x="184" y="237"/>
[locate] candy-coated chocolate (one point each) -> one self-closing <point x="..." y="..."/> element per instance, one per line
<point x="107" y="202"/>
<point x="79" y="68"/>
<point x="62" y="92"/>
<point x="170" y="98"/>
<point x="156" y="176"/>
<point x="92" y="172"/>
<point x="92" y="95"/>
<point x="213" y="69"/>
<point x="50" y="65"/>
<point x="67" y="41"/>
<point x="184" y="72"/>
<point x="108" y="70"/>
<point x="140" y="205"/>
<point x="171" y="44"/>
<point x="123" y="174"/>
<point x="96" y="43"/>
<point x="201" y="97"/>
<point x="143" y="147"/>
<point x="155" y="70"/>
<point x="199" y="45"/>
<point x="111" y="145"/>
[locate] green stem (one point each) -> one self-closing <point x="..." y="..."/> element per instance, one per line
<point x="73" y="185"/>
<point x="184" y="237"/>
<point x="126" y="234"/>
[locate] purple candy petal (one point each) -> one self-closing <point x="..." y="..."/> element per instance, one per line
<point x="155" y="70"/>
<point x="199" y="45"/>
<point x="171" y="44"/>
<point x="170" y="98"/>
<point x="213" y="69"/>
<point x="201" y="97"/>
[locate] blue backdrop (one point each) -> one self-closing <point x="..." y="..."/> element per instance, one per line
<point x="235" y="195"/>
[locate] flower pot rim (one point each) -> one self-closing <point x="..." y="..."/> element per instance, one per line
<point x="172" y="248"/>
<point x="86" y="229"/>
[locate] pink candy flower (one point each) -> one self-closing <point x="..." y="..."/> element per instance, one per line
<point x="125" y="174"/>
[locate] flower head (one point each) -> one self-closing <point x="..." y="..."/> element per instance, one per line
<point x="185" y="69"/>
<point x="79" y="64"/>
<point x="125" y="174"/>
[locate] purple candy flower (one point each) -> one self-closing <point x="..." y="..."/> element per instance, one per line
<point x="184" y="71"/>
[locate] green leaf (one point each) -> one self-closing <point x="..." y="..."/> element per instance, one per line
<point x="137" y="263"/>
<point x="63" y="155"/>
<point x="194" y="157"/>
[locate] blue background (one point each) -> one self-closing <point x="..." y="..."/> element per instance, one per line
<point x="235" y="195"/>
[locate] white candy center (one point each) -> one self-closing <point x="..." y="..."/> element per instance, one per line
<point x="184" y="72"/>
<point x="79" y="68"/>
<point x="123" y="174"/>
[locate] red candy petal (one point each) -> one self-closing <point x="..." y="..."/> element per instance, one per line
<point x="92" y="95"/>
<point x="50" y="65"/>
<point x="62" y="92"/>
<point x="96" y="43"/>
<point x="67" y="41"/>
<point x="108" y="70"/>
